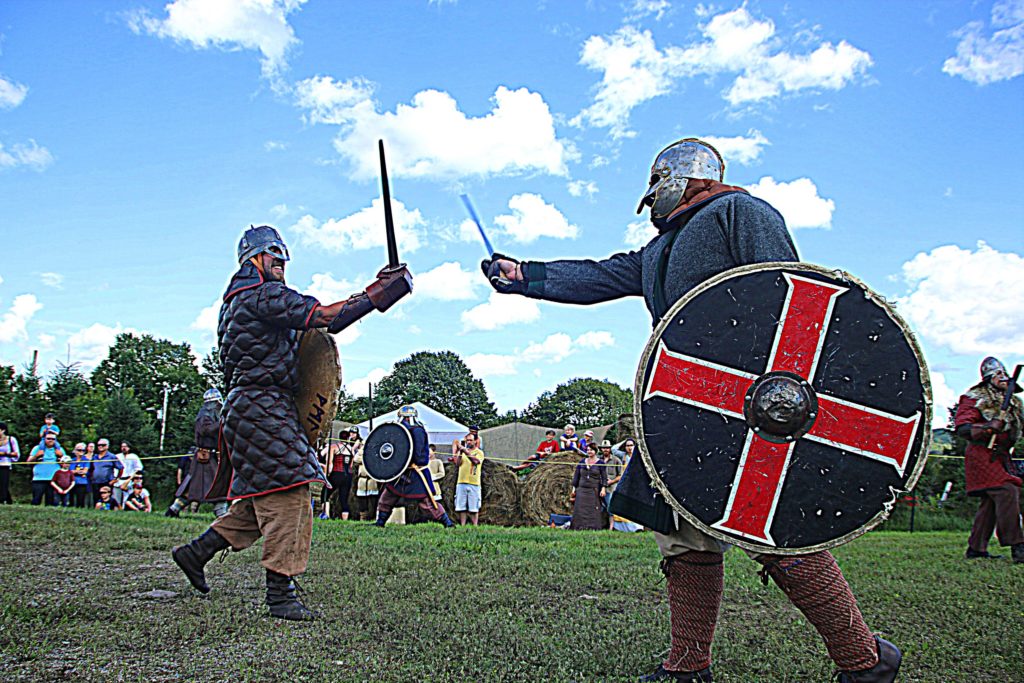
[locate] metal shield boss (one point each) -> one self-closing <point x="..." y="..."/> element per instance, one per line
<point x="781" y="407"/>
<point x="319" y="383"/>
<point x="387" y="452"/>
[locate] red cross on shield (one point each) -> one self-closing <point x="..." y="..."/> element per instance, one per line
<point x="782" y="407"/>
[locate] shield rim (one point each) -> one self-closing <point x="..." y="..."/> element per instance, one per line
<point x="652" y="345"/>
<point x="323" y="435"/>
<point x="408" y="461"/>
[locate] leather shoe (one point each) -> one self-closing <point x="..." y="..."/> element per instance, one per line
<point x="973" y="554"/>
<point x="663" y="674"/>
<point x="889" y="659"/>
<point x="1018" y="553"/>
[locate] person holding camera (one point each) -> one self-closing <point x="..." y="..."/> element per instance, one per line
<point x="470" y="461"/>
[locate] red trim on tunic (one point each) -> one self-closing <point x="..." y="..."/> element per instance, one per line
<point x="310" y="316"/>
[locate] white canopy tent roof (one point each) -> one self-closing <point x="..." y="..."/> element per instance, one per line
<point x="442" y="429"/>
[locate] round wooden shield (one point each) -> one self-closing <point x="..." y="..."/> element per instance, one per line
<point x="782" y="407"/>
<point x="387" y="452"/>
<point x="319" y="383"/>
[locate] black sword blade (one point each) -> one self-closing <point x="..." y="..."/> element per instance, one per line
<point x="389" y="221"/>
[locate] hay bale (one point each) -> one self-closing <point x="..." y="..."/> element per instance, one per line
<point x="501" y="504"/>
<point x="547" y="488"/>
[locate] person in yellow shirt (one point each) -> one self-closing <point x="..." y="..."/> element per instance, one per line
<point x="470" y="461"/>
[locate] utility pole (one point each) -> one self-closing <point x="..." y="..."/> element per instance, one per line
<point x="163" y="420"/>
<point x="369" y="399"/>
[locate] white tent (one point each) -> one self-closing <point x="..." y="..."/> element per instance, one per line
<point x="442" y="429"/>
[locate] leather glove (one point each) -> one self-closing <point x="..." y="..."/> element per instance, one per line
<point x="983" y="430"/>
<point x="499" y="278"/>
<point x="391" y="285"/>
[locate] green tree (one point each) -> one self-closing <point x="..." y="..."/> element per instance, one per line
<point x="211" y="371"/>
<point x="582" y="402"/>
<point x="441" y="380"/>
<point x="63" y="387"/>
<point x="27" y="407"/>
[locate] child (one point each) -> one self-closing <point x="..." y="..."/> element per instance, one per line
<point x="106" y="502"/>
<point x="63" y="481"/>
<point x="138" y="497"/>
<point x="50" y="425"/>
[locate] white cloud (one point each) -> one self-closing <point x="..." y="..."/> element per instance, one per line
<point x="55" y="280"/>
<point x="90" y="345"/>
<point x="363" y="229"/>
<point x="942" y="398"/>
<point x="639" y="233"/>
<point x="14" y="321"/>
<point x="11" y="94"/>
<point x="431" y="137"/>
<point x="279" y="210"/>
<point x="645" y="8"/>
<point x="988" y="57"/>
<point x="597" y="339"/>
<point x="491" y="364"/>
<point x="360" y="385"/>
<point x="634" y="70"/>
<point x="329" y="290"/>
<point x="967" y="301"/>
<point x="274" y="146"/>
<point x="578" y="188"/>
<point x="742" y="150"/>
<point x="46" y="341"/>
<point x="532" y="218"/>
<point x="555" y="348"/>
<point x="229" y="25"/>
<point x="797" y="201"/>
<point x="448" y="282"/>
<point x="499" y="311"/>
<point x="27" y="154"/>
<point x="206" y="321"/>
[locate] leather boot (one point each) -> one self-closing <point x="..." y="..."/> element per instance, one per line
<point x="446" y="520"/>
<point x="889" y="658"/>
<point x="663" y="674"/>
<point x="282" y="601"/>
<point x="382" y="518"/>
<point x="1017" y="552"/>
<point x="193" y="556"/>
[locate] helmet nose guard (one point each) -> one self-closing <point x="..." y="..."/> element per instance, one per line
<point x="260" y="239"/>
<point x="673" y="168"/>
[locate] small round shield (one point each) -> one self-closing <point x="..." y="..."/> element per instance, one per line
<point x="782" y="406"/>
<point x="319" y="383"/>
<point x="387" y="452"/>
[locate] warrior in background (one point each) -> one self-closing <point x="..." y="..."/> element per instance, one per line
<point x="205" y="458"/>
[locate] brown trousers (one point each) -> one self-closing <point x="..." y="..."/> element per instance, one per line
<point x="999" y="511"/>
<point x="285" y="521"/>
<point x="430" y="507"/>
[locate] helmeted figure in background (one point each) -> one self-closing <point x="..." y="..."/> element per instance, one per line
<point x="205" y="459"/>
<point x="415" y="483"/>
<point x="990" y="435"/>
<point x="704" y="228"/>
<point x="267" y="461"/>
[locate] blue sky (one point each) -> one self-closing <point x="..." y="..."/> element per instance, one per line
<point x="138" y="139"/>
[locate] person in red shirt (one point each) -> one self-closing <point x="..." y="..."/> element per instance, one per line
<point x="63" y="481"/>
<point x="548" y="446"/>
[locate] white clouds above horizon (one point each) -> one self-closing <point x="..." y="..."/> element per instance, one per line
<point x="798" y="202"/>
<point x="90" y="345"/>
<point x="966" y="301"/>
<point x="28" y="154"/>
<point x="500" y="310"/>
<point x="552" y="349"/>
<point x="431" y="137"/>
<point x="740" y="149"/>
<point x="985" y="57"/>
<point x="639" y="233"/>
<point x="448" y="282"/>
<point x="363" y="229"/>
<point x="12" y="93"/>
<point x="359" y="386"/>
<point x="229" y="25"/>
<point x="55" y="280"/>
<point x="533" y="218"/>
<point x="942" y="398"/>
<point x="634" y="70"/>
<point x="14" y="323"/>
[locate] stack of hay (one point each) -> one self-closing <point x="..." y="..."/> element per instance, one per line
<point x="548" y="487"/>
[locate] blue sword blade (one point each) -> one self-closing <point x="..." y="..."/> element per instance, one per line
<point x="479" y="226"/>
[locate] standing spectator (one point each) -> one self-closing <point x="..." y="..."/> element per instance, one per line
<point x="138" y="497"/>
<point x="106" y="469"/>
<point x="46" y="454"/>
<point x="621" y="523"/>
<point x="340" y="475"/>
<point x="548" y="446"/>
<point x="80" y="463"/>
<point x="130" y="464"/>
<point x="436" y="468"/>
<point x="9" y="454"/>
<point x="62" y="483"/>
<point x="589" y="483"/>
<point x="470" y="461"/>
<point x="104" y="500"/>
<point x="367" y="490"/>
<point x="569" y="438"/>
<point x="613" y="473"/>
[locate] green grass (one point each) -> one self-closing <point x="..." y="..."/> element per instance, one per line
<point x="491" y="604"/>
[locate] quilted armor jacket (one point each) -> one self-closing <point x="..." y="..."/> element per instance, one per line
<point x="259" y="331"/>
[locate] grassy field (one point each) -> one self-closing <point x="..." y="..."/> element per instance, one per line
<point x="490" y="604"/>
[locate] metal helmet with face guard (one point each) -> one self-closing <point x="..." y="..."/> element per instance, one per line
<point x="213" y="395"/>
<point x="672" y="170"/>
<point x="262" y="239"/>
<point x="407" y="412"/>
<point x="990" y="367"/>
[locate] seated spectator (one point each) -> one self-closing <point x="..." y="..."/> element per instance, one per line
<point x="49" y="425"/>
<point x="106" y="468"/>
<point x="106" y="501"/>
<point x="81" y="461"/>
<point x="62" y="483"/>
<point x="569" y="439"/>
<point x="586" y="441"/>
<point x="436" y="468"/>
<point x="548" y="446"/>
<point x="138" y="497"/>
<point x="47" y="454"/>
<point x="9" y="454"/>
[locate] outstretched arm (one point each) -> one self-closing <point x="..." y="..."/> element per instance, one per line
<point x="390" y="286"/>
<point x="580" y="281"/>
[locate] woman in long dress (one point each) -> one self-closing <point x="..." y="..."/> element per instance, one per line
<point x="589" y="482"/>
